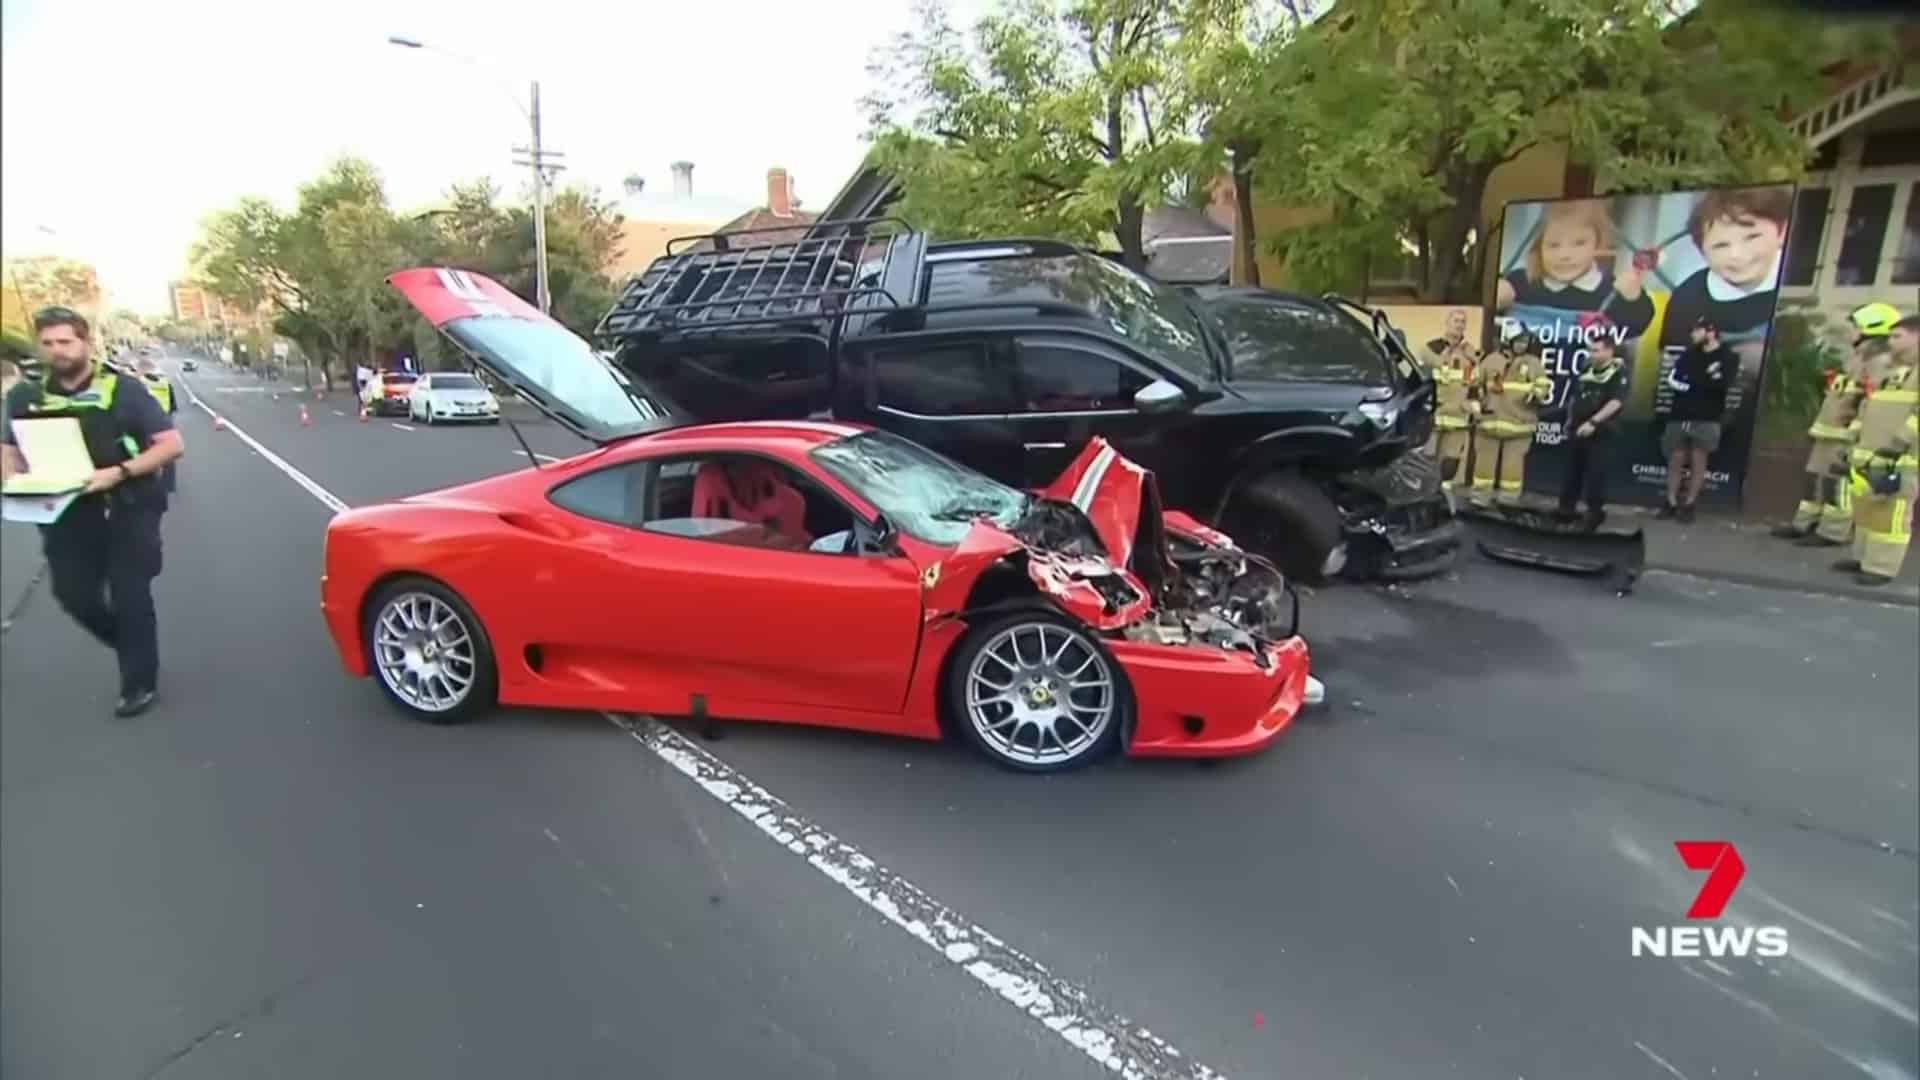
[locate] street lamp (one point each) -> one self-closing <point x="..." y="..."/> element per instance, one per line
<point x="537" y="157"/>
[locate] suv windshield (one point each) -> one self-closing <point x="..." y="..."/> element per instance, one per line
<point x="923" y="494"/>
<point x="1298" y="343"/>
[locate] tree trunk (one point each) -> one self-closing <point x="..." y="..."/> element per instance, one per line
<point x="1449" y="237"/>
<point x="1246" y="251"/>
<point x="1131" y="217"/>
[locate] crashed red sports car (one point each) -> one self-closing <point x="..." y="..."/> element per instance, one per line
<point x="803" y="572"/>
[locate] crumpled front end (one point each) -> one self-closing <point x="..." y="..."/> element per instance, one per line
<point x="1398" y="520"/>
<point x="1207" y="632"/>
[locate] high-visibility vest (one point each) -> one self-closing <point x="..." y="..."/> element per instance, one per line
<point x="108" y="442"/>
<point x="1452" y="368"/>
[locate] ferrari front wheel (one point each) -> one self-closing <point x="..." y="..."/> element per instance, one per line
<point x="1037" y="693"/>
<point x="429" y="652"/>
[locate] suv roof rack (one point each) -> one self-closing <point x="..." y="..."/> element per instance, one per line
<point x="801" y="273"/>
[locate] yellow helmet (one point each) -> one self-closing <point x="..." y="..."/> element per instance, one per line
<point x="1874" y="320"/>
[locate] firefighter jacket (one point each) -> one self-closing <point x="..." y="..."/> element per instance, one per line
<point x="1511" y="390"/>
<point x="1453" y="371"/>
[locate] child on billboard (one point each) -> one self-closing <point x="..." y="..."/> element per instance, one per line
<point x="1741" y="234"/>
<point x="1562" y="279"/>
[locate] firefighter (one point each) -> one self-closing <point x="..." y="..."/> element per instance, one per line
<point x="1452" y="359"/>
<point x="1509" y="388"/>
<point x="1886" y="465"/>
<point x="1824" y="517"/>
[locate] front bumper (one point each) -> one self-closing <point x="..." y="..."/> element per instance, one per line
<point x="483" y="416"/>
<point x="1205" y="703"/>
<point x="1411" y="540"/>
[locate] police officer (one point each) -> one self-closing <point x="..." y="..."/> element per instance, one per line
<point x="1599" y="394"/>
<point x="104" y="551"/>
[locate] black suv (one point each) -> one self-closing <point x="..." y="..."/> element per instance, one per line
<point x="1285" y="419"/>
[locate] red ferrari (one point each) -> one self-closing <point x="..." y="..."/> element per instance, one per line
<point x="802" y="572"/>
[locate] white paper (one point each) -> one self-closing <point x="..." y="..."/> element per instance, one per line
<point x="36" y="509"/>
<point x="56" y="453"/>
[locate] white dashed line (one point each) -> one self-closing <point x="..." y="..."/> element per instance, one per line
<point x="337" y="412"/>
<point x="542" y="457"/>
<point x="403" y="427"/>
<point x="1123" y="1047"/>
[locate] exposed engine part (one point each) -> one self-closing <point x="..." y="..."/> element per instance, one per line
<point x="1060" y="528"/>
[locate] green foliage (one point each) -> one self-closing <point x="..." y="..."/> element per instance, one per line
<point x="15" y="345"/>
<point x="1063" y="118"/>
<point x="44" y="280"/>
<point x="1397" y="112"/>
<point x="324" y="265"/>
<point x="1800" y="352"/>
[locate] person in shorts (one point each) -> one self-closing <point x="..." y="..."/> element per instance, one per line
<point x="1699" y="381"/>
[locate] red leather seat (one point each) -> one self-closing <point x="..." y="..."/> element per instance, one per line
<point x="752" y="492"/>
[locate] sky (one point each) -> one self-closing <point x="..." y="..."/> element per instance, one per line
<point x="122" y="125"/>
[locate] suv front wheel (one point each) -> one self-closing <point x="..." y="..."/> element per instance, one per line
<point x="1289" y="519"/>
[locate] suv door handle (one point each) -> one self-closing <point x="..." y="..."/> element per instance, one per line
<point x="1046" y="446"/>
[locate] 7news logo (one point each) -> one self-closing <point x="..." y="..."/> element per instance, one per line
<point x="1724" y="870"/>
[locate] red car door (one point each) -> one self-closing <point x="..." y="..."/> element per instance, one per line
<point x="655" y="618"/>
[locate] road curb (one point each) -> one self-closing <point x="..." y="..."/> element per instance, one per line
<point x="1883" y="595"/>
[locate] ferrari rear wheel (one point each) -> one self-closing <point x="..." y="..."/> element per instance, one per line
<point x="429" y="652"/>
<point x="1037" y="693"/>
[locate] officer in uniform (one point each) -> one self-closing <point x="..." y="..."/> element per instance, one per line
<point x="1452" y="359"/>
<point x="1599" y="395"/>
<point x="1510" y="388"/>
<point x="1824" y="517"/>
<point x="104" y="551"/>
<point x="162" y="390"/>
<point x="1886" y="464"/>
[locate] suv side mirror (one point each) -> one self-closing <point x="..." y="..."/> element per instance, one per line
<point x="1159" y="396"/>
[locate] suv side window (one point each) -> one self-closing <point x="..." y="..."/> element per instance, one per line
<point x="1061" y="377"/>
<point x="944" y="379"/>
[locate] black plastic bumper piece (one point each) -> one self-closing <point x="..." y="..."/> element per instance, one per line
<point x="1544" y="541"/>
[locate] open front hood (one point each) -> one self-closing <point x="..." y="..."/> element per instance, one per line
<point x="548" y="365"/>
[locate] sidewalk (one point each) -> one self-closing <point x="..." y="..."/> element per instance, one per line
<point x="1728" y="548"/>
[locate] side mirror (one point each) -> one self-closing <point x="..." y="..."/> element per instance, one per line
<point x="1159" y="396"/>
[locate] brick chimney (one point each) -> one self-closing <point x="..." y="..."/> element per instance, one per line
<point x="683" y="179"/>
<point x="779" y="192"/>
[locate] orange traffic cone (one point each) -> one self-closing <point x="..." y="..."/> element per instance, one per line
<point x="363" y="414"/>
<point x="305" y="420"/>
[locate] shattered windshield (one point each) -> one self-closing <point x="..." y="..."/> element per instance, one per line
<point x="923" y="494"/>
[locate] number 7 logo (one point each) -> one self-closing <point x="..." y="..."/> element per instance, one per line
<point x="1724" y="871"/>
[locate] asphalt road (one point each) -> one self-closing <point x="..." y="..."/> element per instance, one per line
<point x="276" y="874"/>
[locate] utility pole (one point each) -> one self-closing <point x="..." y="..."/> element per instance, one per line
<point x="542" y="162"/>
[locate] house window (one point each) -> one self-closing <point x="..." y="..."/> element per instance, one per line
<point x="1906" y="267"/>
<point x="1803" y="238"/>
<point x="1865" y="235"/>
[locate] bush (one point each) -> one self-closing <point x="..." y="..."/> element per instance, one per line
<point x="1798" y="358"/>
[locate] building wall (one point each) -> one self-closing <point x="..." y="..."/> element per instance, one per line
<point x="1855" y="193"/>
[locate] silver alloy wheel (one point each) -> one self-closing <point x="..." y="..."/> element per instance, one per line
<point x="1040" y="694"/>
<point x="425" y="652"/>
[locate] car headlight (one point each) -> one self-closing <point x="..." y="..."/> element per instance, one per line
<point x="1382" y="413"/>
<point x="1336" y="561"/>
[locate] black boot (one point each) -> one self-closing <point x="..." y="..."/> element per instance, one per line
<point x="1685" y="513"/>
<point x="1848" y="566"/>
<point x="1790" y="532"/>
<point x="1667" y="512"/>
<point x="1868" y="578"/>
<point x="1815" y="540"/>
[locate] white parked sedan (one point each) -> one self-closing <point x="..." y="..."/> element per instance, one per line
<point x="452" y="395"/>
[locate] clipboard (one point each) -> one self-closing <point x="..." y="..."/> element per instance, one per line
<point x="57" y="457"/>
<point x="35" y="509"/>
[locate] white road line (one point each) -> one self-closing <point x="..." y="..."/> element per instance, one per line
<point x="1125" y="1048"/>
<point x="337" y="412"/>
<point x="401" y="426"/>
<point x="542" y="457"/>
<point x="305" y="481"/>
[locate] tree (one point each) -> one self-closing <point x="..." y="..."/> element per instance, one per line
<point x="1063" y="117"/>
<point x="43" y="280"/>
<point x="1233" y="54"/>
<point x="1399" y="111"/>
<point x="583" y="241"/>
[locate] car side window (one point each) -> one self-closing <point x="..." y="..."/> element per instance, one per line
<point x="1056" y="377"/>
<point x="749" y="501"/>
<point x="948" y="379"/>
<point x="610" y="495"/>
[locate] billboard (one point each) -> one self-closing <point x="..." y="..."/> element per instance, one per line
<point x="1647" y="268"/>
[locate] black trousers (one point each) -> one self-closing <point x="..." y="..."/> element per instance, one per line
<point x="103" y="558"/>
<point x="1587" y="463"/>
